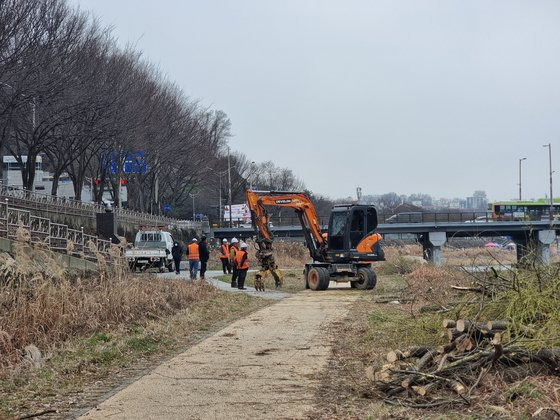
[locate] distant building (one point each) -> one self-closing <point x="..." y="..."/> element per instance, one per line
<point x="478" y="201"/>
<point x="11" y="178"/>
<point x="11" y="173"/>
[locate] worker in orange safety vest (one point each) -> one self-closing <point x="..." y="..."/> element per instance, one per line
<point x="224" y="256"/>
<point x="242" y="264"/>
<point x="194" y="258"/>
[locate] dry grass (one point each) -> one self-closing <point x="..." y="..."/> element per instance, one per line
<point x="44" y="304"/>
<point x="47" y="314"/>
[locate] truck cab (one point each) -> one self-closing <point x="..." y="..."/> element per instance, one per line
<point x="152" y="248"/>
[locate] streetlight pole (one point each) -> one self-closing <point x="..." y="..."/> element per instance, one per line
<point x="253" y="169"/>
<point x="520" y="160"/>
<point x="193" y="212"/>
<point x="550" y="168"/>
<point x="229" y="186"/>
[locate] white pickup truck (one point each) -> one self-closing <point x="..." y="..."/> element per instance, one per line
<point x="152" y="249"/>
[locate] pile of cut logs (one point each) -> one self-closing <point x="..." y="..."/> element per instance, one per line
<point x="420" y="376"/>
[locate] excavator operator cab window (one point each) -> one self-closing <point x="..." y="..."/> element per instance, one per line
<point x="371" y="220"/>
<point x="337" y="230"/>
<point x="357" y="227"/>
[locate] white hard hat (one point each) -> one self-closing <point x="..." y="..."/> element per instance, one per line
<point x="243" y="245"/>
<point x="194" y="240"/>
<point x="234" y="240"/>
<point x="224" y="240"/>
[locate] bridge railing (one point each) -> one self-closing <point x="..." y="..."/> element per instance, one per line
<point x="383" y="218"/>
<point x="437" y="217"/>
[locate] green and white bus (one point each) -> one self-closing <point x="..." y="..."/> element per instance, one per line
<point x="524" y="210"/>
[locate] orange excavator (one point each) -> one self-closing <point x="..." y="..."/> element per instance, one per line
<point x="344" y="253"/>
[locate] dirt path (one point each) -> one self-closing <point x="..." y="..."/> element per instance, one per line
<point x="262" y="366"/>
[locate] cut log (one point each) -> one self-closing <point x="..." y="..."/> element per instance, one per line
<point x="468" y="289"/>
<point x="464" y="343"/>
<point x="449" y="323"/>
<point x="420" y="390"/>
<point x="447" y="348"/>
<point x="425" y="359"/>
<point x="496" y="325"/>
<point x="453" y="334"/>
<point x="395" y="355"/>
<point x="463" y="325"/>
<point x="457" y="386"/>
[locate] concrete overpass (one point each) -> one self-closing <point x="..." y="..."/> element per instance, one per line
<point x="433" y="235"/>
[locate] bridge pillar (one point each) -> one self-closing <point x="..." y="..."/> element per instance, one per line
<point x="521" y="245"/>
<point x="544" y="239"/>
<point x="431" y="246"/>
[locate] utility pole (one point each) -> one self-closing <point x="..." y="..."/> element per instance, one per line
<point x="550" y="167"/>
<point x="520" y="160"/>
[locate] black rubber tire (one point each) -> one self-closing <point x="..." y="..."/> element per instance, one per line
<point x="314" y="278"/>
<point x="366" y="278"/>
<point x="352" y="284"/>
<point x="325" y="279"/>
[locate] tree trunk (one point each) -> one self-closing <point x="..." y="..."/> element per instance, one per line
<point x="54" y="188"/>
<point x="28" y="171"/>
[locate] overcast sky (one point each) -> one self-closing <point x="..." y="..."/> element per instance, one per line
<point x="439" y="97"/>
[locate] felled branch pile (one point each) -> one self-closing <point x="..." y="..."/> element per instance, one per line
<point x="427" y="377"/>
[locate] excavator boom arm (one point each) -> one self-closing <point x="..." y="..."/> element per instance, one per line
<point x="300" y="202"/>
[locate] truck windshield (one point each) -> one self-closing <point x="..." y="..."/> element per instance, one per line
<point x="150" y="240"/>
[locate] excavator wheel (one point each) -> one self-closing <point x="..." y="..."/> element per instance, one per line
<point x="318" y="278"/>
<point x="366" y="279"/>
<point x="326" y="279"/>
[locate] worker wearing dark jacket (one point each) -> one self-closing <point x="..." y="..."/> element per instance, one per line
<point x="242" y="264"/>
<point x="204" y="256"/>
<point x="177" y="254"/>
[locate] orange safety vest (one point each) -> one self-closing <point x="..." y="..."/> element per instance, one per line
<point x="242" y="260"/>
<point x="193" y="252"/>
<point x="235" y="251"/>
<point x="225" y="252"/>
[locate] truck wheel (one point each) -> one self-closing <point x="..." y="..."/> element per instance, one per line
<point x="352" y="284"/>
<point x="366" y="279"/>
<point x="315" y="278"/>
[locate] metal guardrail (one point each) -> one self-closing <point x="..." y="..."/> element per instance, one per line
<point x="18" y="224"/>
<point x="32" y="200"/>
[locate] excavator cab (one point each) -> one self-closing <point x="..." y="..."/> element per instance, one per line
<point x="349" y="225"/>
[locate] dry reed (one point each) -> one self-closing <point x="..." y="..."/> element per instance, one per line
<point x="43" y="304"/>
